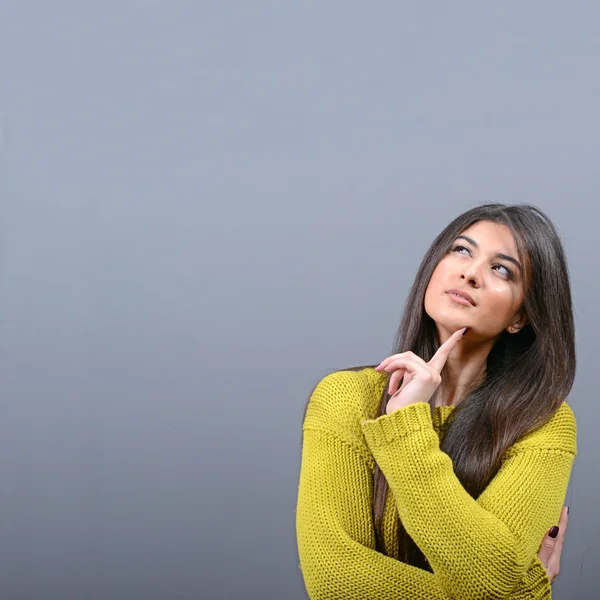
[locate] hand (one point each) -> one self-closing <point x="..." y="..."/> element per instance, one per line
<point x="551" y="548"/>
<point x="421" y="379"/>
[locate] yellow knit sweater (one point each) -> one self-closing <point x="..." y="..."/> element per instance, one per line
<point x="478" y="549"/>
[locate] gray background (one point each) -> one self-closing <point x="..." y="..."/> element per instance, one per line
<point x="208" y="206"/>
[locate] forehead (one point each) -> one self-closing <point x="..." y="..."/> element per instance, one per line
<point x="492" y="236"/>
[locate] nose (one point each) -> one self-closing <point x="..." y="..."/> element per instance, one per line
<point x="471" y="273"/>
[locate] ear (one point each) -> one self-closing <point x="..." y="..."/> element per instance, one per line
<point x="519" y="322"/>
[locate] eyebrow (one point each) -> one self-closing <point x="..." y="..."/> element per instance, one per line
<point x="499" y="255"/>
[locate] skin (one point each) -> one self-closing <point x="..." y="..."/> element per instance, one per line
<point x="499" y="302"/>
<point x="496" y="286"/>
<point x="498" y="298"/>
<point x="551" y="548"/>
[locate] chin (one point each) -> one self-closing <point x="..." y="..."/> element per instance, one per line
<point x="450" y="323"/>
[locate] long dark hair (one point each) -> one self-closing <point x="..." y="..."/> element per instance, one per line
<point x="528" y="374"/>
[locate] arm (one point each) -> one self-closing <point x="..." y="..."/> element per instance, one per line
<point x="336" y="540"/>
<point x="534" y="585"/>
<point x="496" y="536"/>
<point x="334" y="525"/>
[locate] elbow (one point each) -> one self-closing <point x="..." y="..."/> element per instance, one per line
<point x="331" y="567"/>
<point x="315" y="566"/>
<point x="319" y="577"/>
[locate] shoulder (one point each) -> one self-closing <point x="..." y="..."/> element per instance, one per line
<point x="558" y="433"/>
<point x="342" y="399"/>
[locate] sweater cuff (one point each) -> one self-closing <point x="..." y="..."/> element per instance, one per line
<point x="536" y="582"/>
<point x="398" y="424"/>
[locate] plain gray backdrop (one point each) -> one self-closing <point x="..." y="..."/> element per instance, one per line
<point x="208" y="206"/>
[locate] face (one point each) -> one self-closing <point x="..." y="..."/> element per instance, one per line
<point x="494" y="282"/>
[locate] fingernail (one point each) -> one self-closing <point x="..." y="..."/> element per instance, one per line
<point x="465" y="331"/>
<point x="553" y="532"/>
<point x="568" y="509"/>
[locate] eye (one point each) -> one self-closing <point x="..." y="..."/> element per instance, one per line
<point x="509" y="274"/>
<point x="457" y="248"/>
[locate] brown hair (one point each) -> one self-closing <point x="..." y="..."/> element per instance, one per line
<point x="528" y="374"/>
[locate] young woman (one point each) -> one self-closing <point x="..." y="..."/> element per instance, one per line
<point x="441" y="472"/>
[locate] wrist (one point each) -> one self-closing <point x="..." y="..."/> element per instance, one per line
<point x="394" y="406"/>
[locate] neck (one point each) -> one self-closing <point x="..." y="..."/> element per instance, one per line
<point x="465" y="368"/>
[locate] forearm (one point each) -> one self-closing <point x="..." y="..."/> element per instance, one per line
<point x="335" y="534"/>
<point x="474" y="553"/>
<point x="535" y="585"/>
<point x="336" y="539"/>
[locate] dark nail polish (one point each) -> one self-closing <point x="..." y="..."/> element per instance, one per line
<point x="568" y="509"/>
<point x="465" y="331"/>
<point x="554" y="532"/>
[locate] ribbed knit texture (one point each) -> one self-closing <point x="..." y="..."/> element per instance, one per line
<point x="479" y="549"/>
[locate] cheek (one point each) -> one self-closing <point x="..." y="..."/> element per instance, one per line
<point x="501" y="303"/>
<point x="433" y="294"/>
<point x="433" y="288"/>
<point x="435" y="283"/>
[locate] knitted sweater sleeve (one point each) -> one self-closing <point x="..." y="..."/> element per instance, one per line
<point x="334" y="525"/>
<point x="335" y="535"/>
<point x="478" y="549"/>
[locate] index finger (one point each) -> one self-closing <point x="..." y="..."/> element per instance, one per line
<point x="439" y="358"/>
<point x="562" y="529"/>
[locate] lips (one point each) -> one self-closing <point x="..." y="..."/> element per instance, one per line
<point x="462" y="293"/>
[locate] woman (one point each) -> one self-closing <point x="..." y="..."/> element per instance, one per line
<point x="441" y="472"/>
